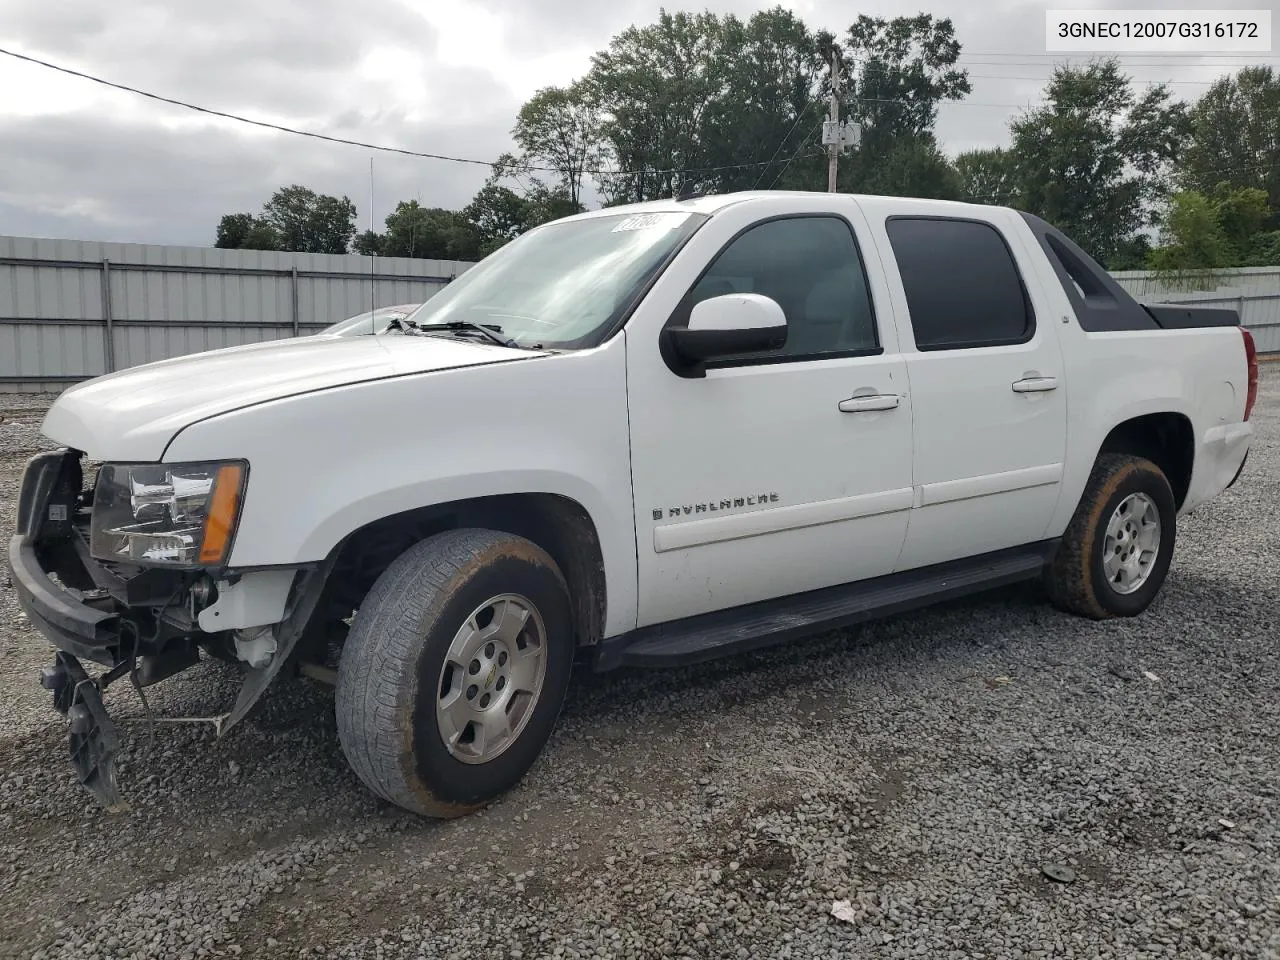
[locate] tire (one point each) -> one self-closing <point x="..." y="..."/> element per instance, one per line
<point x="1079" y="580"/>
<point x="391" y="674"/>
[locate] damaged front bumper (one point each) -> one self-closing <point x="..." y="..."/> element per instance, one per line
<point x="141" y="623"/>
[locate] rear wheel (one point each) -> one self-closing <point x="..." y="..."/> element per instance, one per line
<point x="1116" y="551"/>
<point x="455" y="670"/>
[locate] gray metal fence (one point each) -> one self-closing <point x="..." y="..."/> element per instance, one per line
<point x="70" y="310"/>
<point x="1254" y="293"/>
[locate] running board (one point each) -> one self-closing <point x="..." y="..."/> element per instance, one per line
<point x="751" y="627"/>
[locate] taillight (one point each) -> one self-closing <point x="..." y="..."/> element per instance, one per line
<point x="1251" y="358"/>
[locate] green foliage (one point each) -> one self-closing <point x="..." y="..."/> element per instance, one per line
<point x="499" y="214"/>
<point x="431" y="233"/>
<point x="1133" y="254"/>
<point x="1241" y="212"/>
<point x="770" y="105"/>
<point x="989" y="176"/>
<point x="261" y="236"/>
<point x="1095" y="160"/>
<point x="1235" y="137"/>
<point x="560" y="128"/>
<point x="1197" y="239"/>
<point x="655" y="87"/>
<point x="368" y="244"/>
<point x="1203" y="234"/>
<point x="244" y="231"/>
<point x="232" y="230"/>
<point x="908" y="166"/>
<point x="731" y="103"/>
<point x="905" y="67"/>
<point x="310" y="222"/>
<point x="1262" y="250"/>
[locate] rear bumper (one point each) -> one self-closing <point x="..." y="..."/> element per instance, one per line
<point x="68" y="621"/>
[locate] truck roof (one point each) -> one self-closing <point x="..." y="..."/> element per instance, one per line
<point x="713" y="202"/>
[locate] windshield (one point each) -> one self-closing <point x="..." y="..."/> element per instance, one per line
<point x="565" y="284"/>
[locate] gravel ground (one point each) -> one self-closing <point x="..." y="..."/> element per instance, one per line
<point x="925" y="768"/>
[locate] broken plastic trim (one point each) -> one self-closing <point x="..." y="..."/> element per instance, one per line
<point x="307" y="595"/>
<point x="92" y="738"/>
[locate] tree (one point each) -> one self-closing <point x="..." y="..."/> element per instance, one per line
<point x="769" y="106"/>
<point x="1235" y="137"/>
<point x="547" y="204"/>
<point x="560" y="127"/>
<point x="1095" y="160"/>
<point x="904" y="68"/>
<point x="261" y="236"/>
<point x="233" y="228"/>
<point x="909" y="166"/>
<point x="1242" y="213"/>
<point x="499" y="215"/>
<point x="1203" y="233"/>
<point x="1196" y="240"/>
<point x="654" y="86"/>
<point x="989" y="176"/>
<point x="368" y="243"/>
<point x="244" y="231"/>
<point x="429" y="232"/>
<point x="308" y="222"/>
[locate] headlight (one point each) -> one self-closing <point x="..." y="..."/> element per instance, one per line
<point x="171" y="514"/>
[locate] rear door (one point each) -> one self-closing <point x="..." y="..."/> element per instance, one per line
<point x="989" y="398"/>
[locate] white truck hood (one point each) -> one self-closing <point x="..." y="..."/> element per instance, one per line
<point x="133" y="414"/>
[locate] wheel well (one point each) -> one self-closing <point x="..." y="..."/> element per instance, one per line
<point x="1166" y="439"/>
<point x="557" y="524"/>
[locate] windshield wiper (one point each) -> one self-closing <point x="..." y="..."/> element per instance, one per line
<point x="489" y="330"/>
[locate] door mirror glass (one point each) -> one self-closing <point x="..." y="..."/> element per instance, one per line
<point x="730" y="324"/>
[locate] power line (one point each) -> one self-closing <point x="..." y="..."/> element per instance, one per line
<point x="782" y="143"/>
<point x="984" y="76"/>
<point x="763" y="165"/>
<point x="1248" y="58"/>
<point x="355" y="143"/>
<point x="240" y="119"/>
<point x="799" y="147"/>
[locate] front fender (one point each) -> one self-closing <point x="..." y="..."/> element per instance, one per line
<point x="324" y="464"/>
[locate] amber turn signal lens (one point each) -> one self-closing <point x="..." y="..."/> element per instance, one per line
<point x="222" y="513"/>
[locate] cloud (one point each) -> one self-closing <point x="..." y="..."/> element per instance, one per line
<point x="93" y="178"/>
<point x="446" y="77"/>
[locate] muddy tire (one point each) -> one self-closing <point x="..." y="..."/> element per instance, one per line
<point x="455" y="671"/>
<point x="1116" y="551"/>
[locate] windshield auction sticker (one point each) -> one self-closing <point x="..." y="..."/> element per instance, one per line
<point x="1152" y="31"/>
<point x="651" y="221"/>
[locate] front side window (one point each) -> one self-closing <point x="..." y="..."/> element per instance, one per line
<point x="963" y="288"/>
<point x="566" y="284"/>
<point x="811" y="266"/>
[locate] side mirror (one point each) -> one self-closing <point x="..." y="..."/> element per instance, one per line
<point x="727" y="325"/>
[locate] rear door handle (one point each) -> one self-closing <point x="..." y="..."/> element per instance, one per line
<point x="868" y="403"/>
<point x="1035" y="385"/>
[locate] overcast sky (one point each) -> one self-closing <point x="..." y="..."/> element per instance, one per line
<point x="83" y="161"/>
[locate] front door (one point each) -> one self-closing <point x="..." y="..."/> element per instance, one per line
<point x="986" y="376"/>
<point x="780" y="473"/>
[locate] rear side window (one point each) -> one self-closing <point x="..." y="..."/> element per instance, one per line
<point x="963" y="288"/>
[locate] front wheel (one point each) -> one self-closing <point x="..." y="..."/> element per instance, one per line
<point x="1117" y="549"/>
<point x="455" y="670"/>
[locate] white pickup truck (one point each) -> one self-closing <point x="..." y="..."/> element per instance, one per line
<point x="644" y="435"/>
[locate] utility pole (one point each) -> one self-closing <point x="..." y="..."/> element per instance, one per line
<point x="833" y="148"/>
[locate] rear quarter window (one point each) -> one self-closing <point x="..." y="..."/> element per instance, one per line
<point x="963" y="288"/>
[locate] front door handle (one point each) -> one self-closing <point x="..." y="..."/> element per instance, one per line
<point x="1035" y="385"/>
<point x="874" y="401"/>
